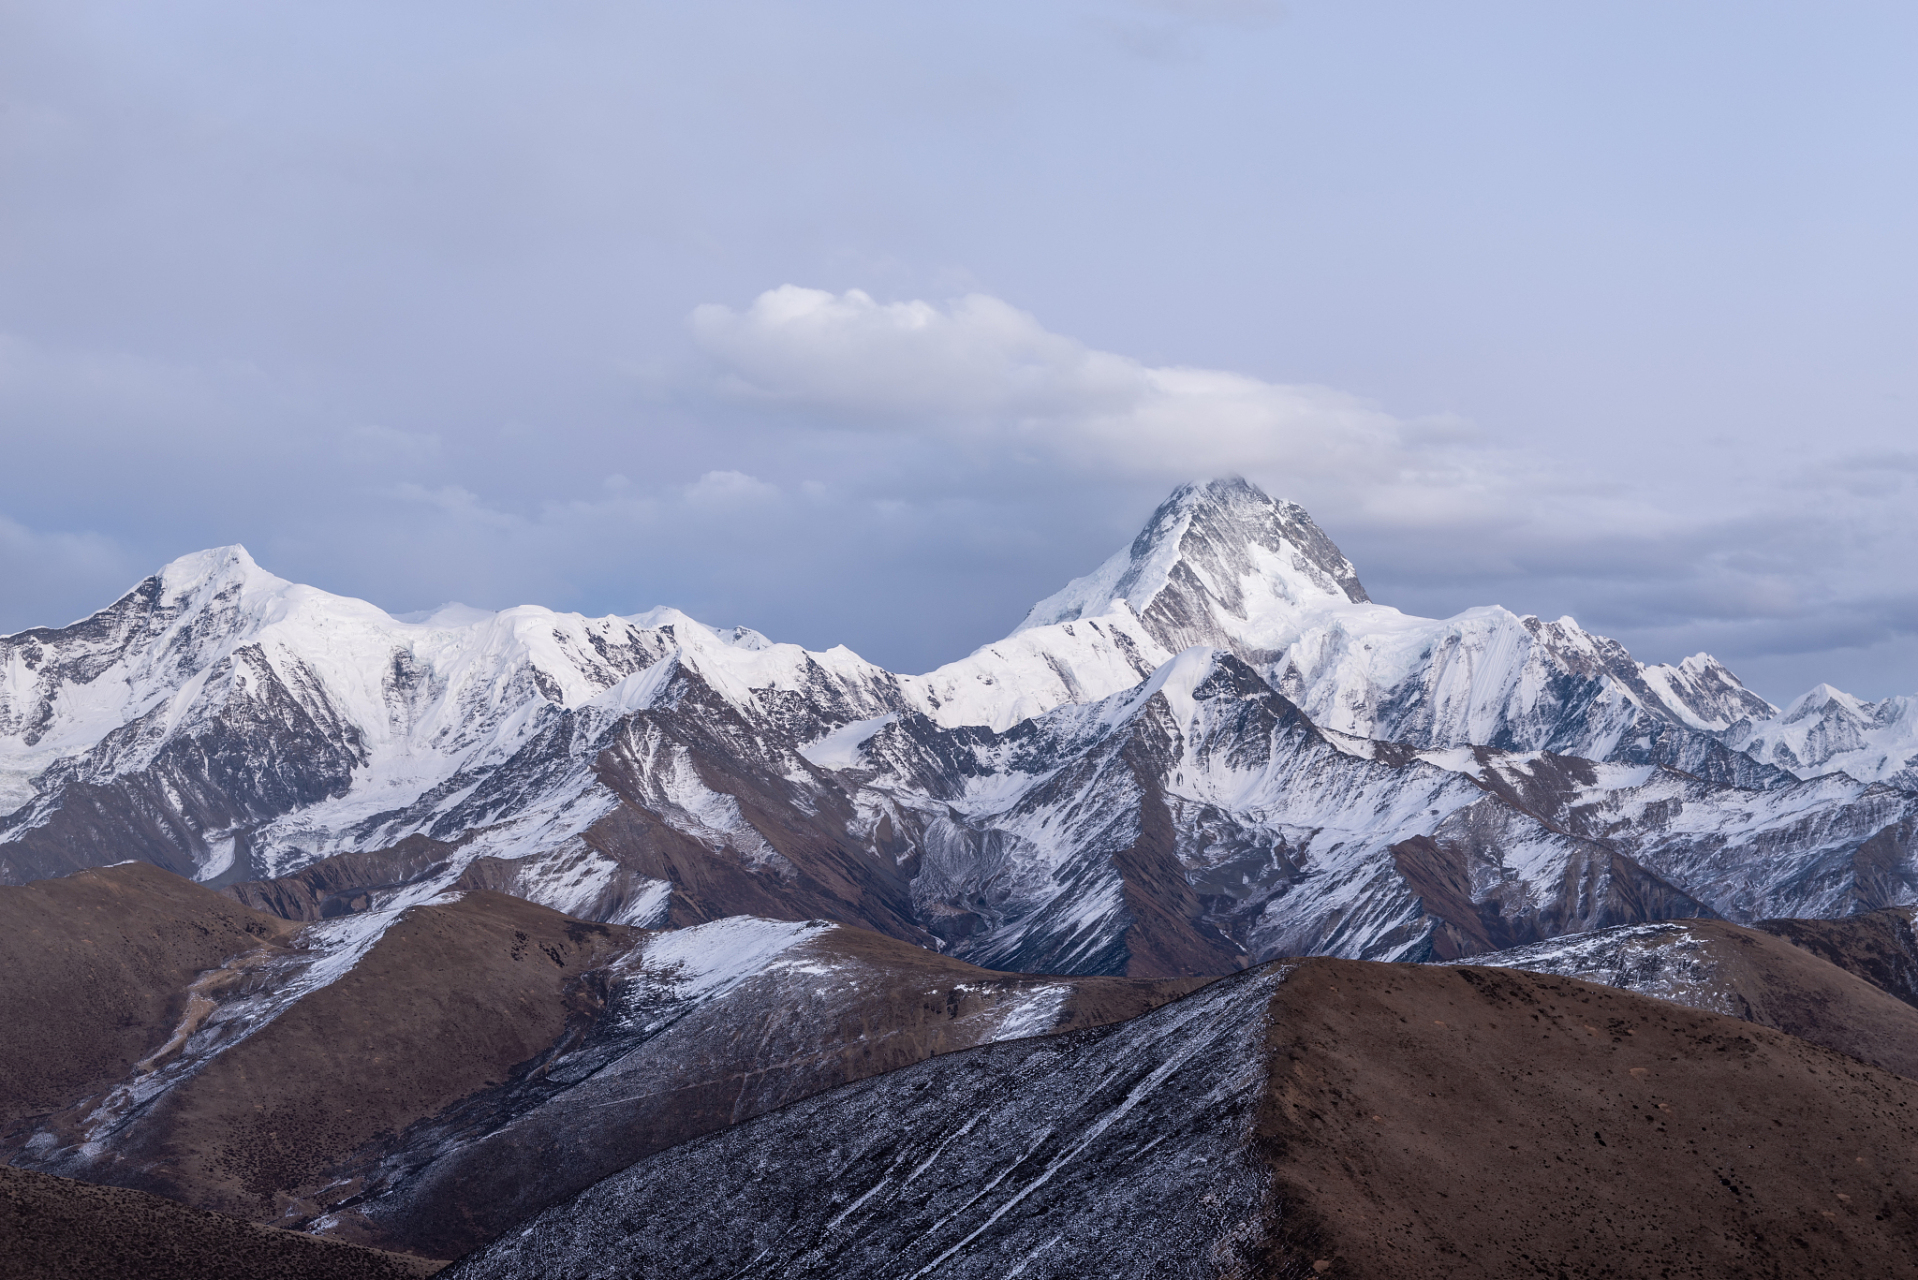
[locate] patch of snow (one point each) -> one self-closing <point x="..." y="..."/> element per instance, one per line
<point x="705" y="959"/>
<point x="1035" y="1013"/>
<point x="649" y="908"/>
<point x="842" y="748"/>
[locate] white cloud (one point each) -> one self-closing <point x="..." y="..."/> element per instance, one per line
<point x="982" y="372"/>
<point x="729" y="489"/>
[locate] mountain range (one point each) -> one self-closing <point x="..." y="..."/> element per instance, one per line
<point x="1212" y="750"/>
<point x="407" y="930"/>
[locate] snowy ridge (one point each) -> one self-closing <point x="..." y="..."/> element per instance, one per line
<point x="1829" y="731"/>
<point x="1749" y="854"/>
<point x="1214" y="748"/>
<point x="1292" y="841"/>
<point x="1668" y="961"/>
<point x="1038" y="668"/>
<point x="393" y="718"/>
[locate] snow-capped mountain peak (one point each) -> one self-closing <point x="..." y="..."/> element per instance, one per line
<point x="1824" y="700"/>
<point x="1217" y="563"/>
<point x="1827" y="730"/>
<point x="1222" y="564"/>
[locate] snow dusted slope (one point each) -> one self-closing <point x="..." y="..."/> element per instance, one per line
<point x="436" y="1076"/>
<point x="1059" y="1152"/>
<point x="1324" y="1118"/>
<point x="1199" y="822"/>
<point x="705" y="1027"/>
<point x="1827" y="847"/>
<point x="220" y="721"/>
<point x="1828" y="731"/>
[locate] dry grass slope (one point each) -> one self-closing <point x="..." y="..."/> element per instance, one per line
<point x="58" y="1229"/>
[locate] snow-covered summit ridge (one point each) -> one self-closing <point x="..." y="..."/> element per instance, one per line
<point x="1222" y="544"/>
<point x="302" y="701"/>
<point x="1223" y="564"/>
<point x="216" y="571"/>
<point x="1826" y="730"/>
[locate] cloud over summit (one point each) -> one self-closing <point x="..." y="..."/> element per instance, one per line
<point x="982" y="373"/>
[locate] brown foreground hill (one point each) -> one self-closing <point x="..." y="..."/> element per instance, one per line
<point x="1879" y="946"/>
<point x="58" y="1229"/>
<point x="1317" y="1118"/>
<point x="97" y="970"/>
<point x="421" y="1081"/>
<point x="1756" y="974"/>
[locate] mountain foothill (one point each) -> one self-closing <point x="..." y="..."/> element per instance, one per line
<point x="1219" y="921"/>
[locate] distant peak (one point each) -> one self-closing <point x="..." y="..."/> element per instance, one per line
<point x="452" y="614"/>
<point x="1222" y="490"/>
<point x="1231" y="498"/>
<point x="209" y="572"/>
<point x="1821" y="698"/>
<point x="1250" y="556"/>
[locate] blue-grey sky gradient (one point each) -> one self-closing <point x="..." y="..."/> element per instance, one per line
<point x="1602" y="310"/>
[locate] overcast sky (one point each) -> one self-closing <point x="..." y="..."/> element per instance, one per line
<point x="873" y="323"/>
